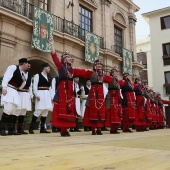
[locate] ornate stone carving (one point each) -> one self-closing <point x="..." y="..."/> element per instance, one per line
<point x="106" y="2"/>
<point x="90" y="2"/>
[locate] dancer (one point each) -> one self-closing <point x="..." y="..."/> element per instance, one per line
<point x="114" y="104"/>
<point x="43" y="102"/>
<point x="12" y="81"/>
<point x="128" y="102"/>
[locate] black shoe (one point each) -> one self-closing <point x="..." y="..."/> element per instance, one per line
<point x="22" y="132"/>
<point x="13" y="133"/>
<point x="125" y="131"/>
<point x="71" y="130"/>
<point x="44" y="131"/>
<point x="67" y="133"/>
<point x="94" y="133"/>
<point x="137" y="130"/>
<point x="104" y="129"/>
<point x="114" y="132"/>
<point x="31" y="131"/>
<point x="129" y="131"/>
<point x="86" y="129"/>
<point x="3" y="133"/>
<point x="99" y="132"/>
<point x="77" y="130"/>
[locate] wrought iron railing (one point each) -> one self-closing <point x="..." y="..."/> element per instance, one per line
<point x="117" y="49"/>
<point x="62" y="25"/>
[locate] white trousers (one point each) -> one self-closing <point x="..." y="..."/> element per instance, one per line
<point x="10" y="108"/>
<point x="39" y="112"/>
<point x="20" y="112"/>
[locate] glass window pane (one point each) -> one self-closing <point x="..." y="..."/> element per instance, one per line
<point x="82" y="25"/>
<point x="167" y="77"/>
<point x="87" y="27"/>
<point x="89" y="14"/>
<point x="85" y="21"/>
<point x="165" y="22"/>
<point x="86" y="13"/>
<point x="82" y="11"/>
<point x="82" y="18"/>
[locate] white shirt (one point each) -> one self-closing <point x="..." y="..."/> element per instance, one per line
<point x="9" y="74"/>
<point x="35" y="84"/>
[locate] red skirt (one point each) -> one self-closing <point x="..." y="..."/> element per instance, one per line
<point x="65" y="121"/>
<point x="140" y="112"/>
<point x="92" y="123"/>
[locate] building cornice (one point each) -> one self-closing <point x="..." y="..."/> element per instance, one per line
<point x="91" y="3"/>
<point x="132" y="4"/>
<point x="157" y="12"/>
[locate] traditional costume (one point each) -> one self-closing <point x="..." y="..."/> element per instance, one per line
<point x="12" y="81"/>
<point x="128" y="103"/>
<point x="95" y="113"/>
<point x="140" y="121"/>
<point x="26" y="97"/>
<point x="64" y="113"/>
<point x="114" y="104"/>
<point x="42" y="89"/>
<point x="161" y="116"/>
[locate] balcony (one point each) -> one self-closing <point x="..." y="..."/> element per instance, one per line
<point x="117" y="49"/>
<point x="62" y="25"/>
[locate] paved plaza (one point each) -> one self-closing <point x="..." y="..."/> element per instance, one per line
<point x="82" y="151"/>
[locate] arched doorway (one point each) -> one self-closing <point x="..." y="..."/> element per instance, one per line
<point x="36" y="67"/>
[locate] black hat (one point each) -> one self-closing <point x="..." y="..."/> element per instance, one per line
<point x="23" y="60"/>
<point x="88" y="79"/>
<point x="45" y="65"/>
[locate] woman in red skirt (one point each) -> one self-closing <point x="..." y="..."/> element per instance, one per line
<point x="140" y="120"/>
<point x="128" y="102"/>
<point x="95" y="112"/>
<point x="114" y="104"/>
<point x="64" y="112"/>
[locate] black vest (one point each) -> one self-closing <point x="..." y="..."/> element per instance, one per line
<point x="16" y="79"/>
<point x="138" y="92"/>
<point x="43" y="81"/>
<point x="28" y="82"/>
<point x="127" y="88"/>
<point x="86" y="90"/>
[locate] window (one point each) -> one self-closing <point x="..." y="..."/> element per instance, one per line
<point x="166" y="53"/>
<point x="167" y="82"/>
<point x="167" y="77"/>
<point x="43" y="4"/>
<point x="165" y="22"/>
<point x="85" y="20"/>
<point x="118" y="33"/>
<point x="166" y="49"/>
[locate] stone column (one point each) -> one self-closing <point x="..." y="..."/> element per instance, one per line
<point x="105" y="15"/>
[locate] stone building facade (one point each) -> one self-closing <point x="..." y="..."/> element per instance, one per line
<point x="112" y="20"/>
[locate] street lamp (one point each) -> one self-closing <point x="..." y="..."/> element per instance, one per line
<point x="72" y="5"/>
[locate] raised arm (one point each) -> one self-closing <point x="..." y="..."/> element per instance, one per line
<point x="54" y="56"/>
<point x="166" y="101"/>
<point x="82" y="73"/>
<point x="108" y="79"/>
<point x="122" y="83"/>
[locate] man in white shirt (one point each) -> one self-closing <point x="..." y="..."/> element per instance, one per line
<point x="43" y="101"/>
<point x="13" y="80"/>
<point x="26" y="97"/>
